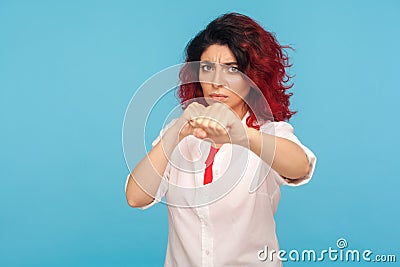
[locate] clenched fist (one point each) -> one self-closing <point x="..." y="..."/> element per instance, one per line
<point x="217" y="122"/>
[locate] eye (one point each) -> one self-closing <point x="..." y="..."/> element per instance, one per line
<point x="206" y="67"/>
<point x="233" y="69"/>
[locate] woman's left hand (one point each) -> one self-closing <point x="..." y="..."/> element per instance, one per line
<point x="221" y="125"/>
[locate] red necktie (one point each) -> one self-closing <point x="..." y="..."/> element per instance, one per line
<point x="208" y="176"/>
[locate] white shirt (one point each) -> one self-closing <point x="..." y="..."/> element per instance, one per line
<point x="223" y="227"/>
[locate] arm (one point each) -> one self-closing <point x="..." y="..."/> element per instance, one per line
<point x="288" y="159"/>
<point x="145" y="178"/>
<point x="222" y="125"/>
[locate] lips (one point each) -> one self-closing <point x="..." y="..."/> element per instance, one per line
<point x="218" y="97"/>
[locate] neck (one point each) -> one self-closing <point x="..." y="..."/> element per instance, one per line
<point x="241" y="111"/>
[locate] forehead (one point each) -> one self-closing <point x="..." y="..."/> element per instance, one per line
<point x="218" y="53"/>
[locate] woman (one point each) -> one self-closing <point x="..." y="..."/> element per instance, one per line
<point x="227" y="217"/>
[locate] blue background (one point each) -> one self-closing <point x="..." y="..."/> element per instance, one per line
<point x="68" y="70"/>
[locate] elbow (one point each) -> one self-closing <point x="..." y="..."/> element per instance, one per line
<point x="135" y="196"/>
<point x="306" y="169"/>
<point x="302" y="170"/>
<point x="134" y="203"/>
<point x="307" y="166"/>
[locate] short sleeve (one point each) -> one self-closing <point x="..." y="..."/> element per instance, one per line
<point x="285" y="130"/>
<point x="163" y="188"/>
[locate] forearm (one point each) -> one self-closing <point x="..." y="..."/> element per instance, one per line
<point x="145" y="178"/>
<point x="284" y="156"/>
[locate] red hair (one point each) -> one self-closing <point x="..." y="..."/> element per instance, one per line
<point x="259" y="56"/>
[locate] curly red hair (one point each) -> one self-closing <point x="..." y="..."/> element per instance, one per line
<point x="259" y="56"/>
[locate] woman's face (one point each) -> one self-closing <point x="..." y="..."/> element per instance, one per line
<point x="221" y="80"/>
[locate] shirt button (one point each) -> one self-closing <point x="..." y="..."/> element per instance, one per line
<point x="207" y="252"/>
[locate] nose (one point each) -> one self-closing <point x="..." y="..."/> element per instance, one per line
<point x="218" y="78"/>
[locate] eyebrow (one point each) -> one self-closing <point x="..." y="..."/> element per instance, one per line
<point x="213" y="63"/>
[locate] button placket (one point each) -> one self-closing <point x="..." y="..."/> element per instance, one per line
<point x="206" y="237"/>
